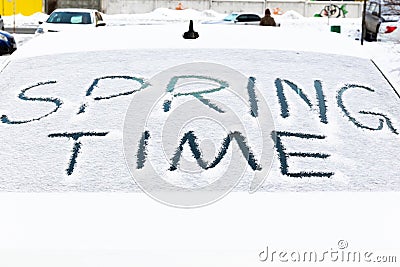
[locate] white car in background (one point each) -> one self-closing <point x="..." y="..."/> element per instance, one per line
<point x="71" y="19"/>
<point x="389" y="31"/>
<point x="381" y="20"/>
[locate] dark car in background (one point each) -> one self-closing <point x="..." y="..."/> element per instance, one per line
<point x="7" y="43"/>
<point x="238" y="18"/>
<point x="242" y="18"/>
<point x="247" y="19"/>
<point x="381" y="17"/>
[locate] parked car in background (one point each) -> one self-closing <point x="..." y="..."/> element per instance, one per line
<point x="71" y="19"/>
<point x="391" y="32"/>
<point x="247" y="19"/>
<point x="7" y="43"/>
<point x="1" y="23"/>
<point x="238" y="18"/>
<point x="381" y="18"/>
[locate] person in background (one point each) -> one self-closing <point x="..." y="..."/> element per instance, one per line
<point x="267" y="20"/>
<point x="179" y="7"/>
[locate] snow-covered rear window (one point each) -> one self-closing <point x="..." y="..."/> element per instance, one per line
<point x="336" y="118"/>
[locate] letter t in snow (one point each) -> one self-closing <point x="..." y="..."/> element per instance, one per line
<point x="77" y="145"/>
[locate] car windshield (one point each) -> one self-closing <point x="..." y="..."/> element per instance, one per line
<point x="231" y="17"/>
<point x="69" y="18"/>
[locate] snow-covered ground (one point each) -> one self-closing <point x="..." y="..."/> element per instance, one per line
<point x="54" y="85"/>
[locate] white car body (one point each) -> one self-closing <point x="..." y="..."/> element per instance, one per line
<point x="389" y="31"/>
<point x="71" y="19"/>
<point x="381" y="19"/>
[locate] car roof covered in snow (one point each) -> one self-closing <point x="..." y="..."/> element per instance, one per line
<point x="170" y="36"/>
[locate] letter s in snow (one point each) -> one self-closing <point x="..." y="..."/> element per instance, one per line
<point x="22" y="96"/>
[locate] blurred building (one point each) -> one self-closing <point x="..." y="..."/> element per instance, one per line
<point x="50" y="5"/>
<point x="24" y="7"/>
<point x="29" y="7"/>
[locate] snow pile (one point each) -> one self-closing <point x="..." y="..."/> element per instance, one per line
<point x="24" y="21"/>
<point x="291" y="14"/>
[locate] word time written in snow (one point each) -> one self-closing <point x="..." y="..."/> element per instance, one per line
<point x="281" y="85"/>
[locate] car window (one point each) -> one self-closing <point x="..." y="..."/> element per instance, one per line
<point x="254" y="17"/>
<point x="248" y="17"/>
<point x="230" y="17"/>
<point x="376" y="9"/>
<point x="241" y="18"/>
<point x="69" y="18"/>
<point x="357" y="105"/>
<point x="372" y="7"/>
